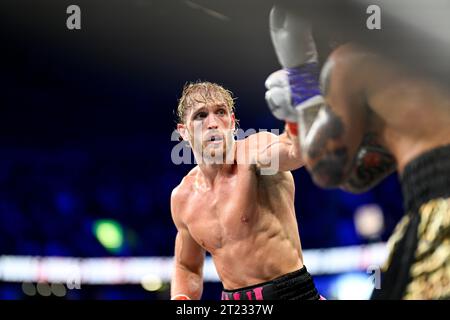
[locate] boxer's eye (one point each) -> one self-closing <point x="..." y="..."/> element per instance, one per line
<point x="200" y="115"/>
<point x="221" y="112"/>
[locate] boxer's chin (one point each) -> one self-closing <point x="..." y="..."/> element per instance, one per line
<point x="213" y="155"/>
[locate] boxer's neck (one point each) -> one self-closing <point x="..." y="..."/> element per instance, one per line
<point x="209" y="172"/>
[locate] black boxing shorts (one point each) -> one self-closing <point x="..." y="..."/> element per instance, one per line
<point x="297" y="285"/>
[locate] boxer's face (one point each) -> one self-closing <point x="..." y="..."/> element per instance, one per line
<point x="210" y="125"/>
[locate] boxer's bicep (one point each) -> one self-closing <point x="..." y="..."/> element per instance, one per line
<point x="188" y="252"/>
<point x="189" y="256"/>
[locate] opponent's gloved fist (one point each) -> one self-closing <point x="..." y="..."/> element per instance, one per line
<point x="290" y="88"/>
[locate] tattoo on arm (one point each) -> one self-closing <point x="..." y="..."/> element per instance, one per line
<point x="328" y="155"/>
<point x="331" y="145"/>
<point x="372" y="164"/>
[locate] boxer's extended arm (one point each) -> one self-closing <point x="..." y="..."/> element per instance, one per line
<point x="281" y="153"/>
<point x="187" y="279"/>
<point x="372" y="164"/>
<point x="332" y="142"/>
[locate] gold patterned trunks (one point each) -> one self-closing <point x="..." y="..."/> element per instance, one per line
<point x="418" y="266"/>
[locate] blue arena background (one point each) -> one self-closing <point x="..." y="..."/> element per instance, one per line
<point x="86" y="119"/>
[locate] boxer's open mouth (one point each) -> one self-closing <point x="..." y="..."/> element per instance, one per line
<point x="214" y="139"/>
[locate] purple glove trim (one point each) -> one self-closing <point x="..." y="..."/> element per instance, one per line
<point x="304" y="82"/>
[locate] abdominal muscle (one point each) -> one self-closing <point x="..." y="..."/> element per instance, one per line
<point x="263" y="256"/>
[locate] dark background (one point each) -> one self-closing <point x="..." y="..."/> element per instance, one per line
<point x="86" y="118"/>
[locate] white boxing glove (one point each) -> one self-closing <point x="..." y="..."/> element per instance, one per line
<point x="292" y="38"/>
<point x="278" y="96"/>
<point x="290" y="88"/>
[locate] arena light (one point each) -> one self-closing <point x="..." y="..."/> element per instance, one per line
<point x="29" y="289"/>
<point x="353" y="286"/>
<point x="151" y="282"/>
<point x="369" y="221"/>
<point x="109" y="233"/>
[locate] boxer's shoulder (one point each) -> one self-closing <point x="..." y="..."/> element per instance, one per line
<point x="184" y="188"/>
<point x="178" y="203"/>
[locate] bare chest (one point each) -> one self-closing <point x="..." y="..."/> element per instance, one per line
<point x="225" y="213"/>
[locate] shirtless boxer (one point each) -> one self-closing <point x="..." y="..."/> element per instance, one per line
<point x="225" y="206"/>
<point x="372" y="118"/>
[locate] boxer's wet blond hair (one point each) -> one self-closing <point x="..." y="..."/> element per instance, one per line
<point x="202" y="92"/>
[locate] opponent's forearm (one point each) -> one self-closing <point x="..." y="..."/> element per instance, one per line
<point x="186" y="282"/>
<point x="372" y="164"/>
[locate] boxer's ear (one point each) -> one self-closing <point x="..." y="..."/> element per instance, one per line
<point x="182" y="130"/>
<point x="233" y="121"/>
